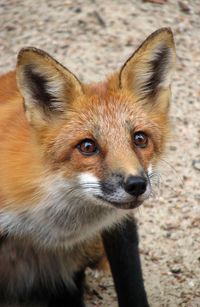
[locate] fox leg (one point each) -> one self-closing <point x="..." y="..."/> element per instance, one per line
<point x="121" y="246"/>
<point x="65" y="298"/>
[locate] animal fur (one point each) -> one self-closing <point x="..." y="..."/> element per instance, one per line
<point x="52" y="204"/>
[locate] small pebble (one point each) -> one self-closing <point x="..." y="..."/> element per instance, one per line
<point x="184" y="7"/>
<point x="196" y="164"/>
<point x="176" y="270"/>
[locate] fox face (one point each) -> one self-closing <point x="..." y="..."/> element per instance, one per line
<point x="95" y="145"/>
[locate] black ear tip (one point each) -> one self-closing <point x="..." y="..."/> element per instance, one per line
<point x="24" y="50"/>
<point x="164" y="33"/>
<point x="165" y="29"/>
<point x="28" y="51"/>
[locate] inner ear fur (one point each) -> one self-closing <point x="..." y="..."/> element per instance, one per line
<point x="47" y="87"/>
<point x="149" y="70"/>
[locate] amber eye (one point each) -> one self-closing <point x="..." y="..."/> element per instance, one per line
<point x="140" y="139"/>
<point x="88" y="147"/>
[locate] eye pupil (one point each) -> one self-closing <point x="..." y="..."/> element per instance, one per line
<point x="87" y="147"/>
<point x="140" y="139"/>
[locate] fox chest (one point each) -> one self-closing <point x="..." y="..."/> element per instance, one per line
<point x="25" y="270"/>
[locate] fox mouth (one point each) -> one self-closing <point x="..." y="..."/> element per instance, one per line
<point x="123" y="205"/>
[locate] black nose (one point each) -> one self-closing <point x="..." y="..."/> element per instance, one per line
<point x="135" y="185"/>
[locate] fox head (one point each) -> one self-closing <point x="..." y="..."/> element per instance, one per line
<point x="101" y="140"/>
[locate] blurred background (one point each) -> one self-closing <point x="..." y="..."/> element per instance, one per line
<point x="94" y="38"/>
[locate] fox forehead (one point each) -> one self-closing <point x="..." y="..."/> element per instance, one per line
<point x="111" y="116"/>
<point x="102" y="117"/>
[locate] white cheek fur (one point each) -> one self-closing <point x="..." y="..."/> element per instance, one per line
<point x="89" y="184"/>
<point x="87" y="178"/>
<point x="149" y="169"/>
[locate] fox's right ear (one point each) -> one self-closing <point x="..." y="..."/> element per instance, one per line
<point x="149" y="70"/>
<point x="47" y="87"/>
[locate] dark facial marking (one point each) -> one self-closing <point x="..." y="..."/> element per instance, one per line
<point x="110" y="185"/>
<point x="24" y="107"/>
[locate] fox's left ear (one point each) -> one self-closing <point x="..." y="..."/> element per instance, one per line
<point x="149" y="70"/>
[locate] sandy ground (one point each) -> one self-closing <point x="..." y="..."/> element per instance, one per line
<point x="93" y="38"/>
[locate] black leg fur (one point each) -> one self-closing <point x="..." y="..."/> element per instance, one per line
<point x="121" y="245"/>
<point x="64" y="298"/>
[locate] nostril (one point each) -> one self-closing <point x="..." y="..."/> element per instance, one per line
<point x="135" y="185"/>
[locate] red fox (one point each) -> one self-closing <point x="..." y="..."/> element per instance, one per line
<point x="75" y="160"/>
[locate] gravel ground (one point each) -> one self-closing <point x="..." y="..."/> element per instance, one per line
<point x="93" y="38"/>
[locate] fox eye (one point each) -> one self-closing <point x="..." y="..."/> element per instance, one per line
<point x="140" y="139"/>
<point x="88" y="147"/>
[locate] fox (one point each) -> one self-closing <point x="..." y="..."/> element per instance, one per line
<point x="76" y="160"/>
